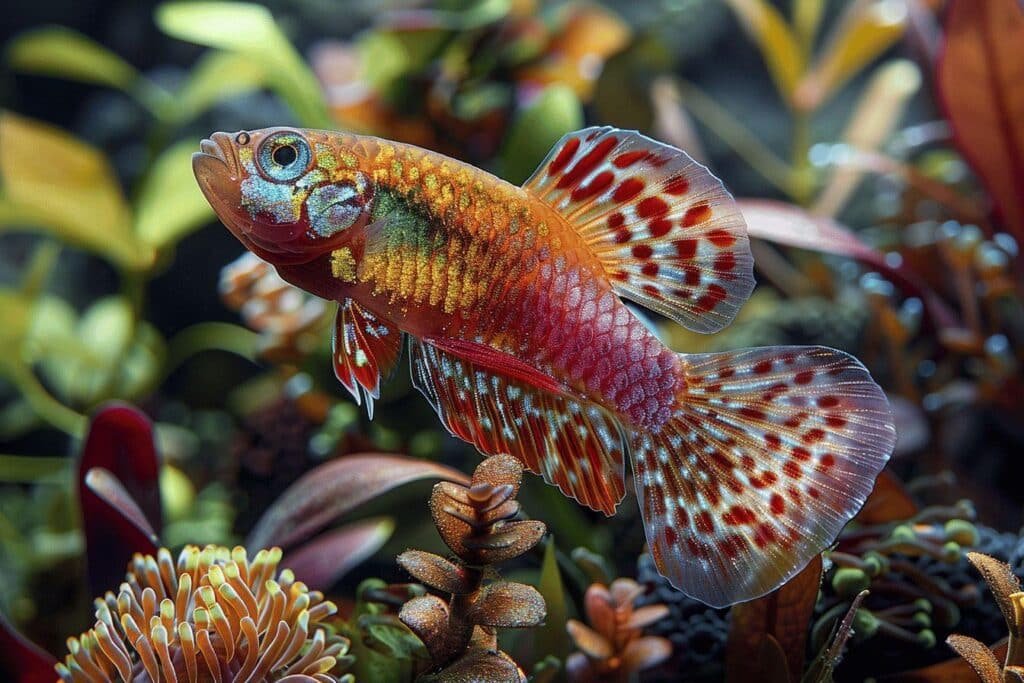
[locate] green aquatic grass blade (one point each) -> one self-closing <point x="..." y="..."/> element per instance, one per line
<point x="250" y="30"/>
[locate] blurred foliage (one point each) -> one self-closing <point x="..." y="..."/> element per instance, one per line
<point x="877" y="157"/>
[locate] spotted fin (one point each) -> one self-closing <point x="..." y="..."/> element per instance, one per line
<point x="769" y="455"/>
<point x="502" y="405"/>
<point x="670" y="236"/>
<point x="366" y="349"/>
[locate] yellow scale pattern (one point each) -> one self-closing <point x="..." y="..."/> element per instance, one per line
<point x="488" y="230"/>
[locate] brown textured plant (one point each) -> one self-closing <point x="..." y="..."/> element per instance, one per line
<point x="613" y="648"/>
<point x="477" y="523"/>
<point x="1005" y="586"/>
<point x="212" y="616"/>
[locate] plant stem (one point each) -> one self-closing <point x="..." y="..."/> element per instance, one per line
<point x="803" y="175"/>
<point x="723" y="124"/>
<point x="20" y="469"/>
<point x="42" y="402"/>
<point x="211" y="336"/>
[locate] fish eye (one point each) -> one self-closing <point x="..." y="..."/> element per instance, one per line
<point x="284" y="156"/>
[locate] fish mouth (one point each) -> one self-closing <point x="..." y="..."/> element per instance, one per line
<point x="217" y="172"/>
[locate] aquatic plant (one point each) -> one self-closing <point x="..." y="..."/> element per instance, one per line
<point x="612" y="647"/>
<point x="495" y="79"/>
<point x="214" y="614"/>
<point x="477" y="523"/>
<point x="289" y="321"/>
<point x="1006" y="589"/>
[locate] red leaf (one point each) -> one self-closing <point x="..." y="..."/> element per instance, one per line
<point x="329" y="491"/>
<point x="322" y="562"/>
<point x="888" y="502"/>
<point x="117" y="514"/>
<point x="793" y="226"/>
<point x="22" y="661"/>
<point x="783" y="615"/>
<point x="978" y="76"/>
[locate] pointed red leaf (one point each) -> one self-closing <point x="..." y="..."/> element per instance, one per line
<point x="322" y="562"/>
<point x="784" y="615"/>
<point x="119" y="518"/>
<point x="978" y="76"/>
<point x="793" y="226"/>
<point x="21" y="660"/>
<point x="327" y="492"/>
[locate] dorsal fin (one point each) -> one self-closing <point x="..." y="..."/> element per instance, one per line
<point x="670" y="236"/>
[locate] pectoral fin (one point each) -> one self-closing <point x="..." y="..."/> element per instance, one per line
<point x="366" y="349"/>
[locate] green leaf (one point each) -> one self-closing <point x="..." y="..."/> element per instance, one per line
<point x="218" y="76"/>
<point x="552" y="638"/>
<point x="54" y="182"/>
<point x="61" y="52"/>
<point x="250" y="30"/>
<point x="16" y="314"/>
<point x="554" y="113"/>
<point x="779" y="47"/>
<point x="170" y="205"/>
<point x="866" y="30"/>
<point x="64" y="53"/>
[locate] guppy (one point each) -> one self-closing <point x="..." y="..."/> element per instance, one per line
<point x="746" y="463"/>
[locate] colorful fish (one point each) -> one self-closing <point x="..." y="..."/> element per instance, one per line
<point x="746" y="463"/>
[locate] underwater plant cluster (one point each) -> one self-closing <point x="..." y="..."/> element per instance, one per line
<point x="347" y="392"/>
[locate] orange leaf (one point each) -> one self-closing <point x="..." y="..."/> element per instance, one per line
<point x="978" y="78"/>
<point x="954" y="670"/>
<point x="784" y="615"/>
<point x="888" y="502"/>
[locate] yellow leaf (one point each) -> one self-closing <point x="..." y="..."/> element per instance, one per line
<point x="866" y="30"/>
<point x="52" y="181"/>
<point x="218" y="76"/>
<point x="773" y="36"/>
<point x="61" y="52"/>
<point x="169" y="204"/>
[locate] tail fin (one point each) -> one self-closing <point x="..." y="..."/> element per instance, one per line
<point x="770" y="454"/>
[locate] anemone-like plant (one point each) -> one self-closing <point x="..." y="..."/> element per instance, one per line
<point x="213" y="615"/>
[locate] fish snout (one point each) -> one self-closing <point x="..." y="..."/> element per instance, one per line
<point x="218" y="146"/>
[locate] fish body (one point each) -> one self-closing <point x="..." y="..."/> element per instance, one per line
<point x="746" y="463"/>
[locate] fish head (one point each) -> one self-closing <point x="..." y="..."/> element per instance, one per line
<point x="287" y="194"/>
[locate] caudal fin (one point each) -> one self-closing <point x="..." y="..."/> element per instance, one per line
<point x="771" y="453"/>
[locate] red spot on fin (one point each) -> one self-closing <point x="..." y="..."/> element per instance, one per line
<point x="617" y="187"/>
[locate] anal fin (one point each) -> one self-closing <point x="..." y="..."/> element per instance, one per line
<point x="502" y="405"/>
<point x="366" y="349"/>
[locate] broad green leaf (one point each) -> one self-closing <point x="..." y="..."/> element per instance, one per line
<point x="219" y="75"/>
<point x="52" y="181"/>
<point x="250" y="30"/>
<point x="779" y="47"/>
<point x="170" y="205"/>
<point x="61" y="52"/>
<point x="64" y="53"/>
<point x="866" y="30"/>
<point x="383" y="57"/>
<point x="555" y="112"/>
